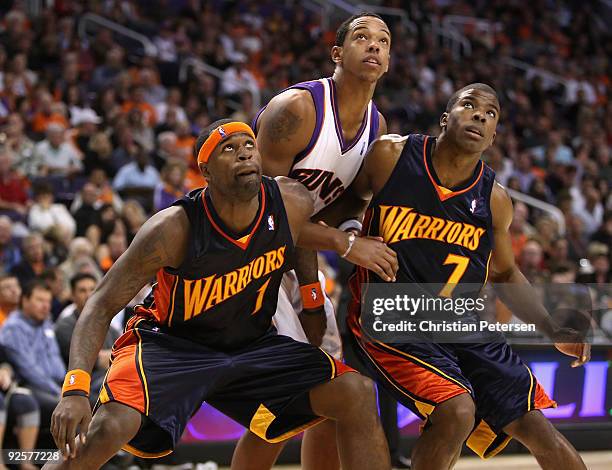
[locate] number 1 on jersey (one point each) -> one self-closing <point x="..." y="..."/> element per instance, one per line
<point x="260" y="294"/>
<point x="462" y="264"/>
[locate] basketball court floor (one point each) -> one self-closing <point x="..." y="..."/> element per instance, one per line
<point x="594" y="461"/>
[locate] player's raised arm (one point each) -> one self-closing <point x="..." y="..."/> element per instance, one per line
<point x="368" y="252"/>
<point x="160" y="242"/>
<point x="516" y="291"/>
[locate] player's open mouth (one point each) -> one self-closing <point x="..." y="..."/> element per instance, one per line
<point x="371" y="60"/>
<point x="251" y="170"/>
<point x="474" y="130"/>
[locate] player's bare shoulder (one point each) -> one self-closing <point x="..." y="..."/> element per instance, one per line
<point x="289" y="116"/>
<point x="501" y="207"/>
<point x="380" y="161"/>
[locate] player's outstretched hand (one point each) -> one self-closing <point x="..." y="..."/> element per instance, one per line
<point x="571" y="343"/>
<point x="71" y="413"/>
<point x="372" y="253"/>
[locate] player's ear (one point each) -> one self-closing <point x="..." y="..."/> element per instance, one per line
<point x="204" y="170"/>
<point x="493" y="139"/>
<point x="443" y="120"/>
<point x="388" y="63"/>
<point x="336" y="54"/>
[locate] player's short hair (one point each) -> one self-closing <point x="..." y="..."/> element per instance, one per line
<point x="205" y="133"/>
<point x="472" y="86"/>
<point x="344" y="27"/>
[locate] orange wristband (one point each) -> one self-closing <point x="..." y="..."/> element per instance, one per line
<point x="76" y="380"/>
<point x="312" y="295"/>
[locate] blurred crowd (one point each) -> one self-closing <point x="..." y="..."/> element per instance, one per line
<point x="96" y="134"/>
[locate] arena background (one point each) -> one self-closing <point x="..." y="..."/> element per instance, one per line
<point x="87" y="88"/>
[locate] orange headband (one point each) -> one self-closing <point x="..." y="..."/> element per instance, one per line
<point x="220" y="133"/>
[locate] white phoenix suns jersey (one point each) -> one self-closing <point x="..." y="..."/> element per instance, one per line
<point x="328" y="165"/>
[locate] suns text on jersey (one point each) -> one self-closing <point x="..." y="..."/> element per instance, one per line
<point x="399" y="223"/>
<point x="203" y="294"/>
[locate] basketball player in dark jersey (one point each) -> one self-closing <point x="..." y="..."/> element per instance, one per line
<point x="318" y="132"/>
<point x="436" y="203"/>
<point x="219" y="255"/>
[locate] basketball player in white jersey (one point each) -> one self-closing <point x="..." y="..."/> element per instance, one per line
<point x="318" y="132"/>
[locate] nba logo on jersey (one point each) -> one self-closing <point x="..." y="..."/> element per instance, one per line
<point x="363" y="147"/>
<point x="222" y="132"/>
<point x="270" y="222"/>
<point x="476" y="205"/>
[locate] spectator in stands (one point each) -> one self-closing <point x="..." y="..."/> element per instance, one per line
<point x="133" y="217"/>
<point x="173" y="101"/>
<point x="53" y="277"/>
<point x="142" y="131"/>
<point x="111" y="251"/>
<point x="10" y="254"/>
<point x="47" y="114"/>
<point x="167" y="149"/>
<point x="59" y="156"/>
<point x="21" y="146"/>
<point x="172" y="186"/>
<point x="531" y="261"/>
<point x="46" y="215"/>
<point x="104" y="75"/>
<point x="31" y="347"/>
<point x="106" y="193"/>
<point x="139" y="178"/>
<point x="603" y="235"/>
<point x="19" y="410"/>
<point x="599" y="258"/>
<point x="138" y="101"/>
<point x="87" y="212"/>
<point x="33" y="263"/>
<point x="80" y="260"/>
<point x="237" y="79"/>
<point x="10" y="293"/>
<point x="86" y="122"/>
<point x="13" y="187"/>
<point x="25" y="79"/>
<point x="82" y="286"/>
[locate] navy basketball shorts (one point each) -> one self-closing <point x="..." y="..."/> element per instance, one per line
<point x="424" y="375"/>
<point x="263" y="386"/>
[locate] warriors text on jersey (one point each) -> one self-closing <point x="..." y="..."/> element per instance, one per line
<point x="328" y="165"/>
<point x="440" y="235"/>
<point x="225" y="293"/>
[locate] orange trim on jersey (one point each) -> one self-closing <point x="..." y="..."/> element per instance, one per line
<point x="172" y="300"/>
<point x="487" y="271"/>
<point x="445" y="193"/>
<point x="163" y="295"/>
<point x="238" y="243"/>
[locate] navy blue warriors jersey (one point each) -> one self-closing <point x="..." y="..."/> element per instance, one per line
<point x="225" y="293"/>
<point x="440" y="235"/>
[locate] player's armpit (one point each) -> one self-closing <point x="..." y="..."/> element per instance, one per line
<point x="284" y="129"/>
